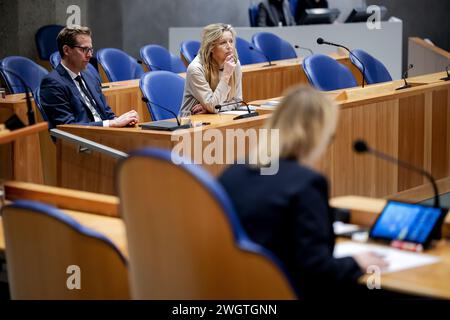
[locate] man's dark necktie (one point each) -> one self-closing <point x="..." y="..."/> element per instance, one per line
<point x="85" y="91"/>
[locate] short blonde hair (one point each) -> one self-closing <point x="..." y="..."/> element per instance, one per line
<point x="306" y="120"/>
<point x="68" y="36"/>
<point x="210" y="38"/>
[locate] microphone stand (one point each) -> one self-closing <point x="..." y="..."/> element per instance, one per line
<point x="321" y="41"/>
<point x="242" y="116"/>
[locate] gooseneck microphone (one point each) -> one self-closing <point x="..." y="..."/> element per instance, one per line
<point x="30" y="112"/>
<point x="321" y="41"/>
<point x="265" y="56"/>
<point x="447" y="78"/>
<point x="296" y="46"/>
<point x="242" y="116"/>
<point x="360" y="146"/>
<point x="159" y="125"/>
<point x="406" y="85"/>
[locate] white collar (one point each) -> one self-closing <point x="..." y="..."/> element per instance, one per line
<point x="72" y="74"/>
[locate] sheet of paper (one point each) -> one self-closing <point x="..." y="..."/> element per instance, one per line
<point x="340" y="227"/>
<point x="397" y="259"/>
<point x="237" y="112"/>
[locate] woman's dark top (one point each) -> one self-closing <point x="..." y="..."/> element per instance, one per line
<point x="288" y="213"/>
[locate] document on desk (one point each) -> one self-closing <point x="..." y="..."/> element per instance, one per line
<point x="397" y="259"/>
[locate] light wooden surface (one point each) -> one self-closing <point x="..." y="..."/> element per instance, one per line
<point x="425" y="57"/>
<point x="410" y="124"/>
<point x="63" y="198"/>
<point x="95" y="172"/>
<point x="181" y="245"/>
<point x="19" y="154"/>
<point x="430" y="280"/>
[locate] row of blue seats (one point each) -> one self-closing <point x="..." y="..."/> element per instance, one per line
<point x="120" y="66"/>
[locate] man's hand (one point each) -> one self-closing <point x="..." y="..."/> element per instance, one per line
<point x="130" y="118"/>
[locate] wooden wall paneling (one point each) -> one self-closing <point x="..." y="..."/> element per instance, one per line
<point x="439" y="131"/>
<point x="411" y="139"/>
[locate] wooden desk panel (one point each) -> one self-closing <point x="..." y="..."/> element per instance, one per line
<point x="95" y="172"/>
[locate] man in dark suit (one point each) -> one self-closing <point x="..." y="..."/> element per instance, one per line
<point x="70" y="94"/>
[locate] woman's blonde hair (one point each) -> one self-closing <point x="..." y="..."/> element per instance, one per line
<point x="306" y="120"/>
<point x="210" y="38"/>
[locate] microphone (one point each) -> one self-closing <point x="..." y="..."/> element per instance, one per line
<point x="360" y="146"/>
<point x="405" y="75"/>
<point x="321" y="41"/>
<point x="165" y="125"/>
<point x="304" y="48"/>
<point x="265" y="56"/>
<point x="242" y="116"/>
<point x="447" y="78"/>
<point x="30" y="112"/>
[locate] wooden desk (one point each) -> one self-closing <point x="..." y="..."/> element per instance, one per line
<point x="430" y="280"/>
<point x="95" y="172"/>
<point x="410" y="124"/>
<point x="99" y="212"/>
<point x="19" y="154"/>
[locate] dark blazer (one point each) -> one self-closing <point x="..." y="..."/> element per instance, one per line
<point x="63" y="103"/>
<point x="302" y="5"/>
<point x="288" y="213"/>
<point x="269" y="15"/>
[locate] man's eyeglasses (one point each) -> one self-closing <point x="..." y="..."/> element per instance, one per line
<point x="85" y="49"/>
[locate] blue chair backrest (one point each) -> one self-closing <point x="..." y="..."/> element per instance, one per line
<point x="55" y="59"/>
<point x="46" y="40"/>
<point x="189" y="49"/>
<point x="30" y="72"/>
<point x="273" y="46"/>
<point x="164" y="88"/>
<point x="159" y="58"/>
<point x="375" y="71"/>
<point x="327" y="74"/>
<point x="247" y="56"/>
<point x="37" y="100"/>
<point x="253" y="15"/>
<point x="205" y="267"/>
<point x="43" y="241"/>
<point x="293" y="6"/>
<point x="118" y="65"/>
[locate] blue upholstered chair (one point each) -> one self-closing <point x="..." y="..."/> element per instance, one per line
<point x="30" y="72"/>
<point x="253" y="15"/>
<point x="273" y="46"/>
<point x="375" y="71"/>
<point x="118" y="65"/>
<point x="159" y="58"/>
<point x="46" y="40"/>
<point x="327" y="74"/>
<point x="189" y="50"/>
<point x="163" y="88"/>
<point x="55" y="59"/>
<point x="293" y="6"/>
<point x="189" y="243"/>
<point x="247" y="56"/>
<point x="42" y="242"/>
<point x="37" y="100"/>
